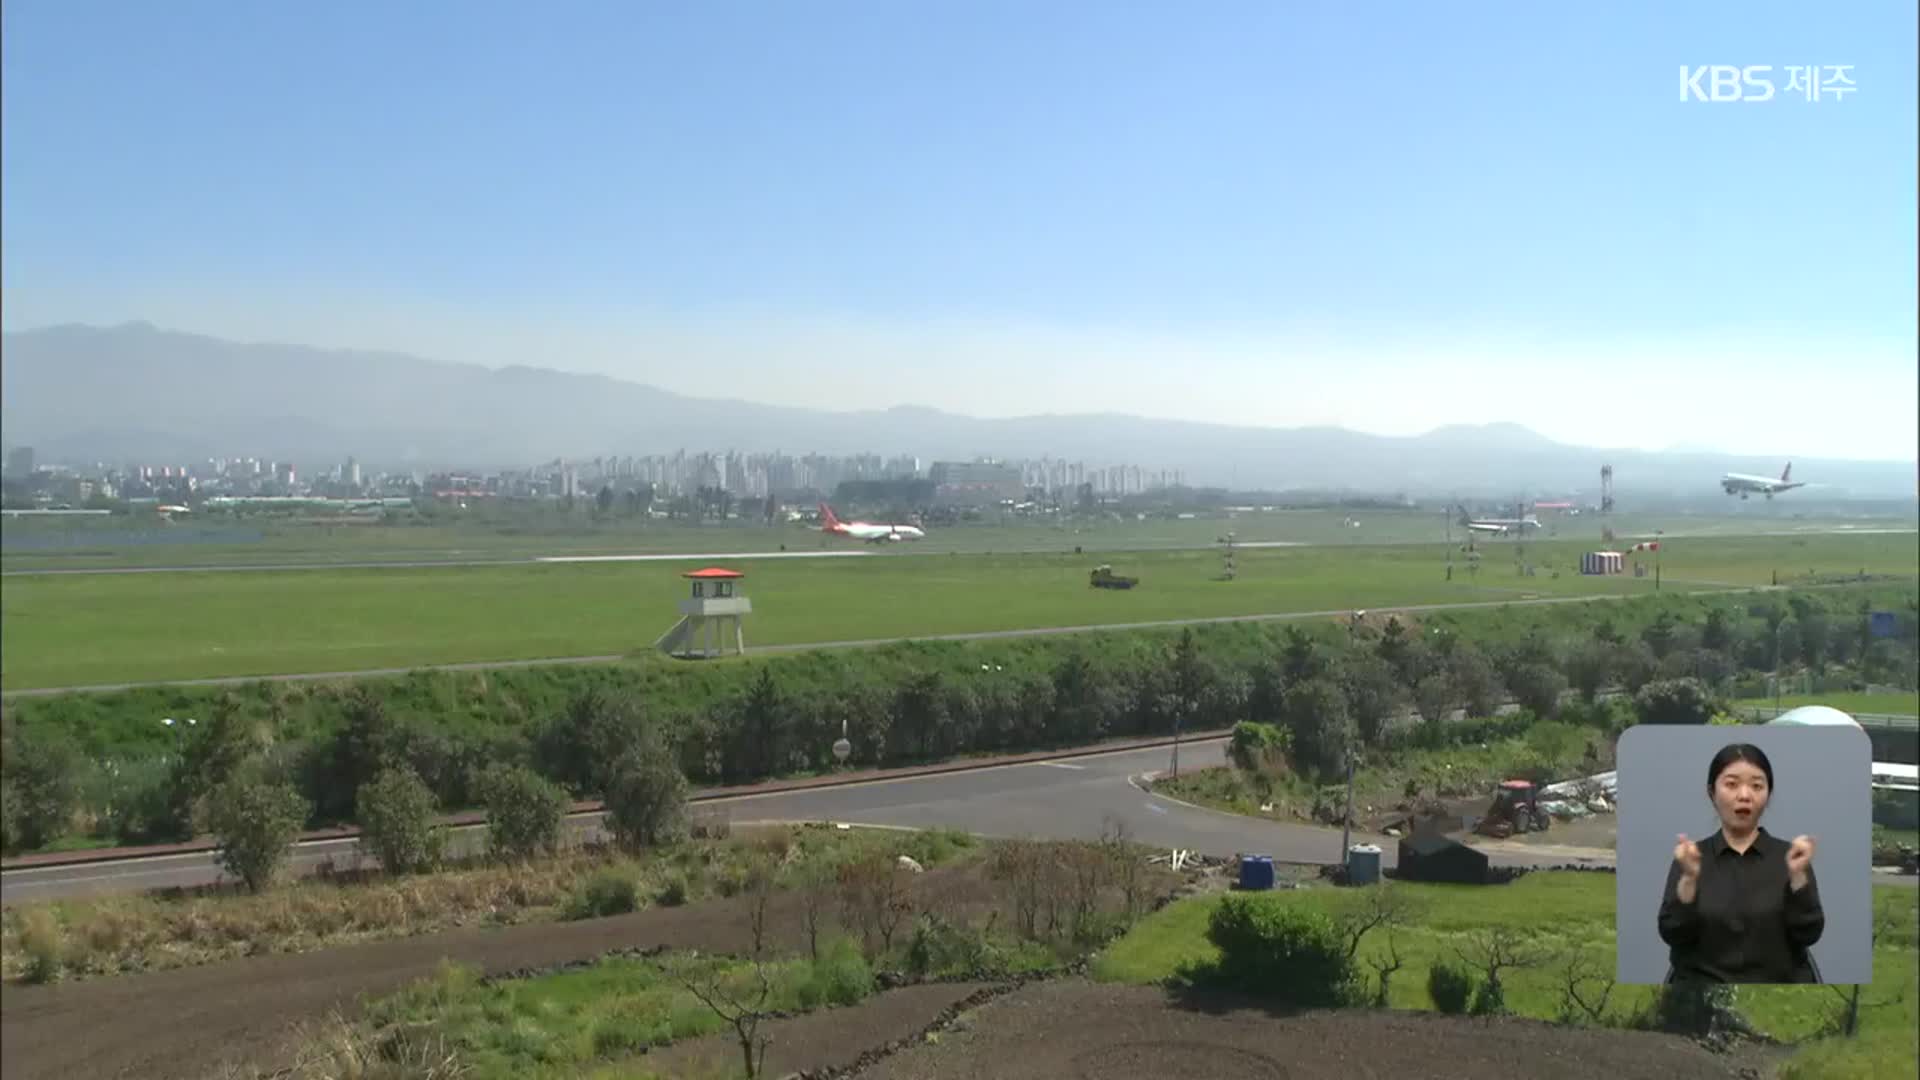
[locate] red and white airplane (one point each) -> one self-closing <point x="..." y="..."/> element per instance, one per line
<point x="863" y="530"/>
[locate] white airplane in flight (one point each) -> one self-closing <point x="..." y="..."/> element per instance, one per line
<point x="1498" y="526"/>
<point x="862" y="530"/>
<point x="1744" y="485"/>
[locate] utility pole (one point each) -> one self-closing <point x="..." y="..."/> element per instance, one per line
<point x="1179" y="713"/>
<point x="1346" y="819"/>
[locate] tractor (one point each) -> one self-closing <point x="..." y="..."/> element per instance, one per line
<point x="1104" y="578"/>
<point x="1516" y="809"/>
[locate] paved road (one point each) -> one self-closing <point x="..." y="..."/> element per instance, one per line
<point x="1064" y="798"/>
<point x="980" y="635"/>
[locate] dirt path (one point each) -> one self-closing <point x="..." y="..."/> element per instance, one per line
<point x="1072" y="1029"/>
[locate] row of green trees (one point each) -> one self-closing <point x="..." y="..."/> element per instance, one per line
<point x="237" y="790"/>
<point x="1330" y="687"/>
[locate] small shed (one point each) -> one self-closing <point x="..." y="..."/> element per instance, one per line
<point x="1430" y="856"/>
<point x="1602" y="562"/>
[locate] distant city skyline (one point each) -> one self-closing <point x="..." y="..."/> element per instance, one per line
<point x="1269" y="216"/>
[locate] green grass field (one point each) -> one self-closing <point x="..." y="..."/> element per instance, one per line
<point x="1564" y="915"/>
<point x="1859" y="704"/>
<point x="87" y="629"/>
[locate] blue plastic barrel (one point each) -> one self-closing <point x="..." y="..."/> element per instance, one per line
<point x="1363" y="864"/>
<point x="1256" y="871"/>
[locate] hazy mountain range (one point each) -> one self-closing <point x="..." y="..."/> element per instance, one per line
<point x="137" y="393"/>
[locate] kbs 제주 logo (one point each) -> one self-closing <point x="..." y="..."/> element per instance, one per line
<point x="1755" y="83"/>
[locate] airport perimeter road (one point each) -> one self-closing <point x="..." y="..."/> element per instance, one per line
<point x="766" y="650"/>
<point x="1065" y="798"/>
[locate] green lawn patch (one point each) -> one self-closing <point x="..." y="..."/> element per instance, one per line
<point x="1558" y="918"/>
<point x="555" y="1025"/>
<point x="1895" y="704"/>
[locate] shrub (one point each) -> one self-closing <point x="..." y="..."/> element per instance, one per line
<point x="44" y="943"/>
<point x="609" y="892"/>
<point x="524" y="813"/>
<point x="1589" y="667"/>
<point x="938" y="947"/>
<point x="673" y="891"/>
<point x="646" y="798"/>
<point x="1475" y="680"/>
<point x="212" y="754"/>
<point x="1450" y="987"/>
<point x="580" y="746"/>
<point x="1282" y="951"/>
<point x="1373" y="692"/>
<point x="364" y="744"/>
<point x="1553" y="745"/>
<point x="1434" y="697"/>
<point x="41" y="777"/>
<point x="1319" y="728"/>
<point x="1537" y="688"/>
<point x="1257" y="748"/>
<point x="1488" y="999"/>
<point x="256" y="822"/>
<point x="840" y="976"/>
<point x="396" y="816"/>
<point x="1674" y="701"/>
<point x="135" y="802"/>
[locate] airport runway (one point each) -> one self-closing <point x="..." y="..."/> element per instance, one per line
<point x="1055" y="548"/>
<point x="427" y="564"/>
<point x="1064" y="798"/>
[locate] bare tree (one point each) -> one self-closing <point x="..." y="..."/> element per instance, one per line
<point x="1116" y="836"/>
<point x="1846" y="1019"/>
<point x="1378" y="906"/>
<point x="1492" y="951"/>
<point x="895" y="907"/>
<point x="1017" y="864"/>
<point x="1087" y="868"/>
<point x="873" y="899"/>
<point x="760" y="881"/>
<point x="741" y="1006"/>
<point x="815" y="880"/>
<point x="1584" y="989"/>
<point x="1383" y="969"/>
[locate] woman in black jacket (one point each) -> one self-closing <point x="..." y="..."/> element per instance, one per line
<point x="1742" y="906"/>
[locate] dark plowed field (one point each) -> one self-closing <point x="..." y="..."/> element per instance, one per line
<point x="1073" y="1029"/>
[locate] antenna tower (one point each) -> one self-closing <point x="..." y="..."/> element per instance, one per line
<point x="1606" y="489"/>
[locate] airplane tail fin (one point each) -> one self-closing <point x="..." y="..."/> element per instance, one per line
<point x="827" y="520"/>
<point x="1786" y="474"/>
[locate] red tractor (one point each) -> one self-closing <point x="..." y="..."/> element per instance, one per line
<point x="1516" y="809"/>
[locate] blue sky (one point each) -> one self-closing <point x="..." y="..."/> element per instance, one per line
<point x="1388" y="216"/>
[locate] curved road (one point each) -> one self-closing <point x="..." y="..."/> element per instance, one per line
<point x="1060" y="798"/>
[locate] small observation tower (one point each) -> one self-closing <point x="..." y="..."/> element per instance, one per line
<point x="709" y="623"/>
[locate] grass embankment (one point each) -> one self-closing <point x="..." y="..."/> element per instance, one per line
<point x="93" y="629"/>
<point x="90" y="937"/>
<point x="1561" y="918"/>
